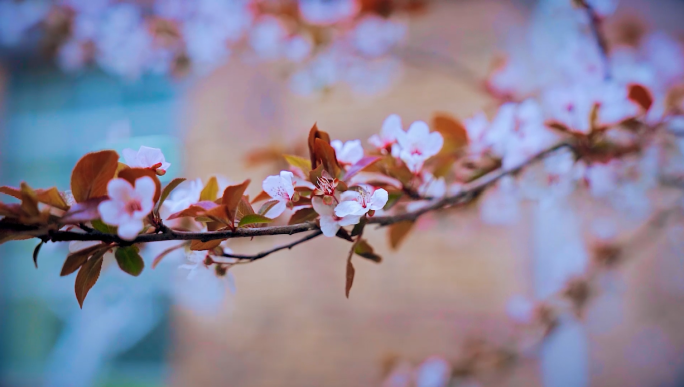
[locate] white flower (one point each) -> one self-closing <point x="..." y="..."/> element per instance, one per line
<point x="375" y="36"/>
<point x="391" y="128"/>
<point x="360" y="202"/>
<point x="520" y="309"/>
<point x="280" y="188"/>
<point x="127" y="205"/>
<point x="186" y="194"/>
<point x="348" y="153"/>
<point x="196" y="262"/>
<point x="268" y="37"/>
<point x="602" y="179"/>
<point x="431" y="186"/>
<point x="433" y="372"/>
<point x="330" y="223"/>
<point x="500" y="205"/>
<point x="418" y="145"/>
<point x="146" y="157"/>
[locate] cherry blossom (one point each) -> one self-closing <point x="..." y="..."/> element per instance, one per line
<point x="387" y="139"/>
<point x="128" y="206"/>
<point x="433" y="372"/>
<point x="280" y="188"/>
<point x="349" y="152"/>
<point x="331" y="223"/>
<point x="374" y="36"/>
<point x="417" y="145"/>
<point x="500" y="205"/>
<point x="146" y="157"/>
<point x="186" y="194"/>
<point x="432" y="187"/>
<point x="359" y="202"/>
<point x="520" y="309"/>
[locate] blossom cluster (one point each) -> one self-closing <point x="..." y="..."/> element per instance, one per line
<point x="330" y="42"/>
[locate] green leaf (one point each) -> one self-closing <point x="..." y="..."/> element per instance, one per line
<point x="87" y="277"/>
<point x="129" y="260"/>
<point x="365" y="250"/>
<point x="253" y="219"/>
<point x="303" y="215"/>
<point x="299" y="162"/>
<point x="167" y="191"/>
<point x="210" y="190"/>
<point x="102" y="227"/>
<point x="267" y="206"/>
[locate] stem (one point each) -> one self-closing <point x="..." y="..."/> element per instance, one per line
<point x="595" y="23"/>
<point x="276" y="249"/>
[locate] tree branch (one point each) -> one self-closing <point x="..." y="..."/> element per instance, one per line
<point x="595" y="23"/>
<point x="275" y="249"/>
<point x="469" y="192"/>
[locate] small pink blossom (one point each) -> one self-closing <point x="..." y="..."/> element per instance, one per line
<point x="432" y="187"/>
<point x="358" y="203"/>
<point x="280" y="188"/>
<point x="330" y="223"/>
<point x="433" y="372"/>
<point x="391" y="128"/>
<point x="146" y="157"/>
<point x="520" y="309"/>
<point x="128" y="206"/>
<point x="418" y="145"/>
<point x="349" y="152"/>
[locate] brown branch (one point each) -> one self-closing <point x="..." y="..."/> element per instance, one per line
<point x="275" y="249"/>
<point x="470" y="191"/>
<point x="595" y="23"/>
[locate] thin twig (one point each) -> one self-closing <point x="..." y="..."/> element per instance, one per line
<point x="275" y="249"/>
<point x="595" y="23"/>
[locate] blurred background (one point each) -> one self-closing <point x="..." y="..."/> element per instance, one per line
<point x="100" y="80"/>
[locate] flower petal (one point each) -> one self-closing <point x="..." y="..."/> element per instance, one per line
<point x="349" y="220"/>
<point x="321" y="208"/>
<point x="129" y="229"/>
<point x="379" y="199"/>
<point x="130" y="157"/>
<point x="276" y="210"/>
<point x="145" y="189"/>
<point x="112" y="212"/>
<point x="120" y="190"/>
<point x="391" y="127"/>
<point x="329" y="226"/>
<point x="287" y="177"/>
<point x="349" y="207"/>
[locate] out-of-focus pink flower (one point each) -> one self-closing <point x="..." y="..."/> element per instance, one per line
<point x="432" y="187"/>
<point x="391" y="128"/>
<point x="375" y="36"/>
<point x="602" y="178"/>
<point x="349" y="152"/>
<point x="268" y="37"/>
<point x="328" y="12"/>
<point x="331" y="223"/>
<point x="127" y="205"/>
<point x="418" y="144"/>
<point x="433" y="372"/>
<point x="520" y="309"/>
<point x="500" y="205"/>
<point x="146" y="157"/>
<point x="280" y="188"/>
<point x="359" y="202"/>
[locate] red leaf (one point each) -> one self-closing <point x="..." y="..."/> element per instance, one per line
<point x="87" y="277"/>
<point x="641" y="95"/>
<point x="50" y="196"/>
<point x="76" y="259"/>
<point x="232" y="196"/>
<point x="261" y="196"/>
<point x="350" y="278"/>
<point x="201" y="246"/>
<point x="197" y="209"/>
<point x="303" y="215"/>
<point x="398" y="232"/>
<point x="452" y="130"/>
<point x="360" y="166"/>
<point x="92" y="173"/>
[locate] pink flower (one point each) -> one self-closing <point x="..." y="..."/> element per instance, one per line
<point x="391" y="128"/>
<point x="127" y="205"/>
<point x="358" y="203"/>
<point x="432" y="187"/>
<point x="281" y="188"/>
<point x="330" y="223"/>
<point x="433" y="372"/>
<point x="418" y="145"/>
<point x="146" y="157"/>
<point x="348" y="153"/>
<point x="520" y="309"/>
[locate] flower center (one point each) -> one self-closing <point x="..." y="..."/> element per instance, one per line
<point x="133" y="206"/>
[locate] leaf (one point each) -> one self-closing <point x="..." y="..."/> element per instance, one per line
<point x="361" y="165"/>
<point x="77" y="259"/>
<point x="343" y="234"/>
<point x="314" y="134"/>
<point x="365" y="250"/>
<point x="92" y="173"/>
<point x="129" y="260"/>
<point x="298" y="162"/>
<point x="392" y="199"/>
<point x="164" y="253"/>
<point x="261" y="196"/>
<point x="36" y="251"/>
<point x="350" y="277"/>
<point x="50" y="196"/>
<point x="219" y="214"/>
<point x="198" y="245"/>
<point x="327" y="156"/>
<point x="232" y="196"/>
<point x="29" y="201"/>
<point x="358" y="228"/>
<point x="398" y="232"/>
<point x="195" y="210"/>
<point x="316" y="174"/>
<point x="167" y="191"/>
<point x="267" y="206"/>
<point x="100" y="226"/>
<point x="303" y="215"/>
<point x="131" y="175"/>
<point x="640" y="95"/>
<point x="87" y="277"/>
<point x="253" y="219"/>
<point x="243" y="208"/>
<point x="210" y="190"/>
<point x="85" y="211"/>
<point x="452" y="130"/>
